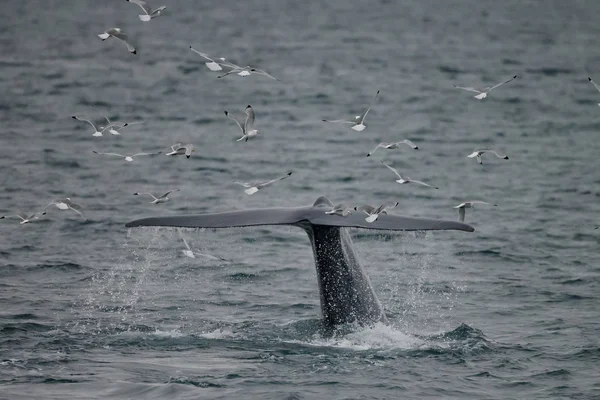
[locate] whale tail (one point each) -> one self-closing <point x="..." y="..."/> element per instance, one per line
<point x="345" y="289"/>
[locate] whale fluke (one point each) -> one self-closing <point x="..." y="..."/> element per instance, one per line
<point x="346" y="292"/>
<point x="298" y="216"/>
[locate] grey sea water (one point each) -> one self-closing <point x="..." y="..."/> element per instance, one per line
<point x="90" y="310"/>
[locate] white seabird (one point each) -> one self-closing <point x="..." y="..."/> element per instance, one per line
<point x="406" y="179"/>
<point x="359" y="121"/>
<point x="482" y="93"/>
<point x="118" y="34"/>
<point x="395" y="145"/>
<point x="149" y="12"/>
<point x="247" y="126"/>
<point x="157" y="200"/>
<point x="253" y="187"/>
<point x="468" y="204"/>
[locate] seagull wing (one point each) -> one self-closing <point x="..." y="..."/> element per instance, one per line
<point x="147" y="194"/>
<point x="498" y="154"/>
<point x="501" y="83"/>
<point x="340" y="121"/>
<point x="85" y="120"/>
<point x="468" y="89"/>
<point x="364" y="115"/>
<point x="146" y="154"/>
<point x="422" y="183"/>
<point x="385" y="206"/>
<point x="367" y="209"/>
<point x="244" y="184"/>
<point x="594" y="83"/>
<point x="393" y="170"/>
<point x="122" y="37"/>
<point x="250" y="117"/>
<point x="184" y="241"/>
<point x="109" y="154"/>
<point x="235" y="69"/>
<point x="201" y="54"/>
<point x="143" y="5"/>
<point x="262" y="72"/>
<point x="377" y="147"/>
<point x="272" y="181"/>
<point x="461" y="214"/>
<point x="158" y="10"/>
<point x="239" y="123"/>
<point x="409" y="143"/>
<point x="168" y="193"/>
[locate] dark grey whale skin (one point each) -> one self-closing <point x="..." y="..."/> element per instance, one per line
<point x="346" y="292"/>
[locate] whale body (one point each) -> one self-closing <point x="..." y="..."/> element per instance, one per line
<point x="347" y="295"/>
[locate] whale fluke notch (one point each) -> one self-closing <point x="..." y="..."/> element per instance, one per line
<point x="345" y="289"/>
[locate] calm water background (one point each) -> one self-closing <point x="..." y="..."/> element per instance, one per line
<point x="90" y="310"/>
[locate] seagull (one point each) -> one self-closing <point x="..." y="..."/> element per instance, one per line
<point x="66" y="204"/>
<point x="97" y="132"/>
<point x="341" y="209"/>
<point x="192" y="254"/>
<point x="127" y="158"/>
<point x="402" y="179"/>
<point x="597" y="88"/>
<point x="118" y="34"/>
<point x="358" y="123"/>
<point x="478" y="152"/>
<point x="482" y="93"/>
<point x="247" y="126"/>
<point x="25" y="219"/>
<point x="393" y="146"/>
<point x="243" y="71"/>
<point x="373" y="213"/>
<point x="253" y="187"/>
<point x="468" y="204"/>
<point x="178" y="150"/>
<point x="212" y="64"/>
<point x="150" y="14"/>
<point x="157" y="200"/>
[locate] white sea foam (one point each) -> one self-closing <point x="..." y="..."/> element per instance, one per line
<point x="378" y="337"/>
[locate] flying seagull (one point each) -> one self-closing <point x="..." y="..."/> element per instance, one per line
<point x="65" y="204"/>
<point x="341" y="209"/>
<point x="393" y="146"/>
<point x="478" y="152"/>
<point x="149" y="12"/>
<point x="157" y="200"/>
<point x="253" y="187"/>
<point x="242" y="71"/>
<point x="595" y="85"/>
<point x="482" y="93"/>
<point x="98" y="130"/>
<point x="247" y="126"/>
<point x="25" y="218"/>
<point x="373" y="213"/>
<point x="359" y="121"/>
<point x="211" y="64"/>
<point x="118" y="34"/>
<point x="192" y="254"/>
<point x="178" y="150"/>
<point x="127" y="158"/>
<point x="468" y="204"/>
<point x="406" y="179"/>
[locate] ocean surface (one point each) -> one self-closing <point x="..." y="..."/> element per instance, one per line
<point x="92" y="310"/>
